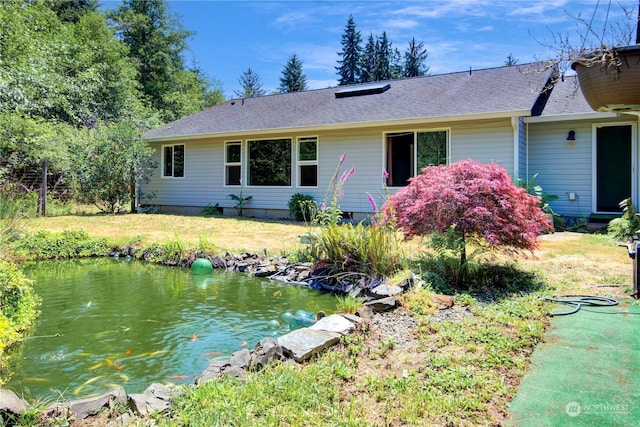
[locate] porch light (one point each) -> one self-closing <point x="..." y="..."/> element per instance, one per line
<point x="571" y="136"/>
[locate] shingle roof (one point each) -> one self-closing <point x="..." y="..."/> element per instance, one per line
<point x="566" y="98"/>
<point x="492" y="91"/>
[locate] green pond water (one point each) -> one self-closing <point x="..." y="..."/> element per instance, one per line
<point x="107" y="321"/>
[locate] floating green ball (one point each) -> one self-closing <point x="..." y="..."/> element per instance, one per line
<point x="201" y="266"/>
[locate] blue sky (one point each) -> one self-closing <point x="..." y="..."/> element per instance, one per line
<point x="231" y="36"/>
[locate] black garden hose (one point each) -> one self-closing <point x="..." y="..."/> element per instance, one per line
<point x="579" y="301"/>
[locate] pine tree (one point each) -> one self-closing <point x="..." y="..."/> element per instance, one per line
<point x="511" y="60"/>
<point x="251" y="85"/>
<point x="293" y="79"/>
<point x="382" y="68"/>
<point x="414" y="59"/>
<point x="368" y="60"/>
<point x="348" y="69"/>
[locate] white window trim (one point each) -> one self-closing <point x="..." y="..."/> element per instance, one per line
<point x="248" y="163"/>
<point x="300" y="163"/>
<point x="240" y="163"/>
<point x="184" y="161"/>
<point x="385" y="160"/>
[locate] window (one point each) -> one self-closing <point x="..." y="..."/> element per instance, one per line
<point x="308" y="161"/>
<point x="270" y="162"/>
<point x="173" y="161"/>
<point x="409" y="152"/>
<point x="232" y="163"/>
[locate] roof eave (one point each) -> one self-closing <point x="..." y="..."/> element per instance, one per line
<point x="575" y="116"/>
<point x="343" y="126"/>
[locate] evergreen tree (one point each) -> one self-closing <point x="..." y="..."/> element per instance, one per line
<point x="72" y="10"/>
<point x="368" y="60"/>
<point x="156" y="40"/>
<point x="511" y="60"/>
<point x="348" y="69"/>
<point x="395" y="64"/>
<point x="251" y="85"/>
<point x="414" y="59"/>
<point x="293" y="79"/>
<point x="382" y="68"/>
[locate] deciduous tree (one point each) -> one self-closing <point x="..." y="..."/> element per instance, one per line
<point x="478" y="203"/>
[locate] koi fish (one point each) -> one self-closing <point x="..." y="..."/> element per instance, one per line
<point x="118" y="367"/>
<point x="89" y="304"/>
<point x="128" y="352"/>
<point x="124" y="377"/>
<point x="211" y="353"/>
<point x="78" y="390"/>
<point x="36" y="380"/>
<point x="96" y="366"/>
<point x="194" y="337"/>
<point x="89" y="381"/>
<point x="109" y="362"/>
<point x="179" y="377"/>
<point x="243" y="344"/>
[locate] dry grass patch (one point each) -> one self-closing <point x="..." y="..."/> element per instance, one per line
<point x="235" y="234"/>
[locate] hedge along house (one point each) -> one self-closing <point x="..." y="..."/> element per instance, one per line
<point x="274" y="146"/>
<point x="588" y="159"/>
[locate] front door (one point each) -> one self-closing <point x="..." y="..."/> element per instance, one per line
<point x="613" y="167"/>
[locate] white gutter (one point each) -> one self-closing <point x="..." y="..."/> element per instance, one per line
<point x="563" y="117"/>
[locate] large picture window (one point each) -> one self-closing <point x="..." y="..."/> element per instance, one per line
<point x="409" y="152"/>
<point x="173" y="161"/>
<point x="270" y="162"/>
<point x="233" y="163"/>
<point x="308" y="161"/>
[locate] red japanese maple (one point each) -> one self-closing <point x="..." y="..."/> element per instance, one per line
<point x="480" y="201"/>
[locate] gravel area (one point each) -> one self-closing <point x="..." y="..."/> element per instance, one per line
<point x="399" y="324"/>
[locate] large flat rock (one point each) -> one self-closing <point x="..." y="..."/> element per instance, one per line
<point x="334" y="323"/>
<point x="303" y="343"/>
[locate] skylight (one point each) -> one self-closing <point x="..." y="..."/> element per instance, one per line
<point x="363" y="90"/>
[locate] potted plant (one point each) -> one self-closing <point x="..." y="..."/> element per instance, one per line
<point x="607" y="62"/>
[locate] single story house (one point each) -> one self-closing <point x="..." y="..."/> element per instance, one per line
<point x="274" y="146"/>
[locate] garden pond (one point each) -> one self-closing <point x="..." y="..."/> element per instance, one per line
<point x="112" y="321"/>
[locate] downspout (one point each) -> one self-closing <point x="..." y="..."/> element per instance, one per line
<point x="516" y="147"/>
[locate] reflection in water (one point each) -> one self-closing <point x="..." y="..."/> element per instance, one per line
<point x="107" y="322"/>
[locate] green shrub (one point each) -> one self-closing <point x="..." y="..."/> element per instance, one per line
<point x="65" y="244"/>
<point x="302" y="207"/>
<point x="371" y="250"/>
<point x="625" y="227"/>
<point x="18" y="306"/>
<point x="211" y="210"/>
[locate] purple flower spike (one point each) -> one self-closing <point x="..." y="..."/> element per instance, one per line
<point x="385" y="174"/>
<point x="342" y="159"/>
<point x="372" y="203"/>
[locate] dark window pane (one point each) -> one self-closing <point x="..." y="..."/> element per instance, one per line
<point x="309" y="175"/>
<point x="233" y="153"/>
<point x="178" y="160"/>
<point x="233" y="175"/>
<point x="168" y="161"/>
<point x="399" y="159"/>
<point x="432" y="149"/>
<point x="308" y="149"/>
<point x="270" y="162"/>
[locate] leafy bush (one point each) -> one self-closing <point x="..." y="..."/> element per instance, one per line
<point x="211" y="210"/>
<point x="18" y="306"/>
<point x="66" y="244"/>
<point x="476" y="202"/>
<point x="625" y="227"/>
<point x="301" y="207"/>
<point x="371" y="250"/>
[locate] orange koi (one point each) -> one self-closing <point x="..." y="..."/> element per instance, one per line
<point x="118" y="367"/>
<point x="179" y="377"/>
<point x="128" y="352"/>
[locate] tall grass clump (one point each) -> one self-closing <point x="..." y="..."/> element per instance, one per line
<point x="371" y="250"/>
<point x="10" y="221"/>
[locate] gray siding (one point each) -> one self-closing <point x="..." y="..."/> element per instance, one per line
<point x="203" y="183"/>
